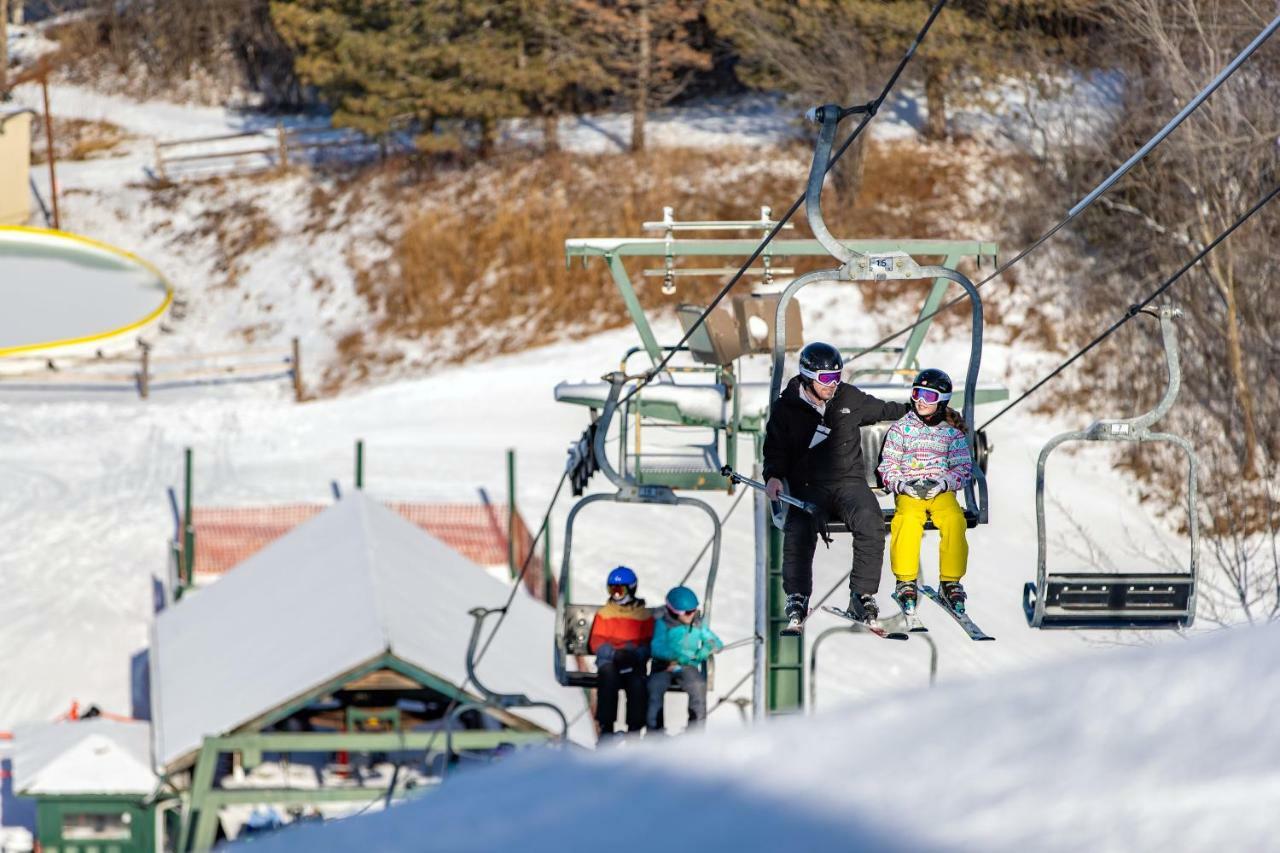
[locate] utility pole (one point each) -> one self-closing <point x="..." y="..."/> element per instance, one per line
<point x="4" y="48"/>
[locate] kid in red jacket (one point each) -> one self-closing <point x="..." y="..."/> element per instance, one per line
<point x="620" y="637"/>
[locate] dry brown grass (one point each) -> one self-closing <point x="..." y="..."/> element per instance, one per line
<point x="490" y="265"/>
<point x="238" y="229"/>
<point x="76" y="139"/>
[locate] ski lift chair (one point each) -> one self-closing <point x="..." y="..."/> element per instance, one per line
<point x="895" y="266"/>
<point x="1129" y="600"/>
<point x="573" y="621"/>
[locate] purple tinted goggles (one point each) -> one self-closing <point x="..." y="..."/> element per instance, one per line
<point x="827" y="377"/>
<point x="928" y="395"/>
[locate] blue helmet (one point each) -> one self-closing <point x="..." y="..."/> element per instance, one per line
<point x="682" y="599"/>
<point x="621" y="576"/>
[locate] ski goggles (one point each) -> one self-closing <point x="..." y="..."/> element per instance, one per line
<point x="618" y="589"/>
<point x="822" y="377"/>
<point x="928" y="395"/>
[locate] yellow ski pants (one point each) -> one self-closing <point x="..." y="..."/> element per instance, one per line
<point x="907" y="529"/>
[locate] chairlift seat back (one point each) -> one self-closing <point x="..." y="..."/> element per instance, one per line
<point x="716" y="341"/>
<point x="1109" y="600"/>
<point x="764" y="306"/>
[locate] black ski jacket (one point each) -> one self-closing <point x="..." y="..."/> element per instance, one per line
<point x="796" y="449"/>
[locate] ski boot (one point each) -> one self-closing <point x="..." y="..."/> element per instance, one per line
<point x="904" y="592"/>
<point x="797" y="611"/>
<point x="864" y="608"/>
<point x="953" y="594"/>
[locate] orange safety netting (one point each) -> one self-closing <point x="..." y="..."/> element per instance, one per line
<point x="227" y="536"/>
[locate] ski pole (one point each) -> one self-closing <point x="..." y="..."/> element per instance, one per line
<point x="735" y="477"/>
<point x="736" y="643"/>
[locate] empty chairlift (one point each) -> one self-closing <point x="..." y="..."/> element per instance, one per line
<point x="1130" y="600"/>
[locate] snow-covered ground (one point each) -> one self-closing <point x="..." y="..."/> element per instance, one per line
<point x="1171" y="749"/>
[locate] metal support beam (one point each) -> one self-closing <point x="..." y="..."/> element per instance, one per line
<point x="784" y="685"/>
<point x="629" y="298"/>
<point x="188" y="529"/>
<point x="614" y="248"/>
<point x="359" y="463"/>
<point x="511" y="513"/>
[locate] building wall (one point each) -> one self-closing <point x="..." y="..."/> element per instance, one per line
<point x="15" y="168"/>
<point x="59" y="820"/>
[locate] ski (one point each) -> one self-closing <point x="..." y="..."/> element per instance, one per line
<point x="962" y="619"/>
<point x="874" y="627"/>
<point x="910" y="619"/>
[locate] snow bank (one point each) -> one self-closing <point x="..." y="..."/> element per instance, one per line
<point x="1135" y="751"/>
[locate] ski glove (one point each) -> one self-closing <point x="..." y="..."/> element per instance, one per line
<point x="921" y="489"/>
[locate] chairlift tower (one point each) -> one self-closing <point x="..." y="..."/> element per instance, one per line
<point x="707" y="392"/>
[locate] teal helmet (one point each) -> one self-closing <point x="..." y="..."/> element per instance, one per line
<point x="682" y="599"/>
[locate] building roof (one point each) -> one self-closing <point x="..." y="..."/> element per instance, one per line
<point x="337" y="592"/>
<point x="227" y="536"/>
<point x="93" y="756"/>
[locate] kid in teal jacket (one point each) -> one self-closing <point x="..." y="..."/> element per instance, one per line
<point x="681" y="644"/>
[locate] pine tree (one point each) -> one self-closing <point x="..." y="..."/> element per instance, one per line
<point x="646" y="50"/>
<point x="443" y="65"/>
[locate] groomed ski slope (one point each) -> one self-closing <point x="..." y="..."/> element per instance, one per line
<point x="1169" y="748"/>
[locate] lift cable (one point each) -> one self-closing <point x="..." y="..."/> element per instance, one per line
<point x="502" y="612"/>
<point x="868" y="112"/>
<point x="1139" y="306"/>
<point x="1088" y="201"/>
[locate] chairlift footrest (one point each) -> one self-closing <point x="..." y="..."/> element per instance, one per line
<point x="1125" y="600"/>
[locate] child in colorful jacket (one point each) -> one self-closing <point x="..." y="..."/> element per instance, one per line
<point x="681" y="644"/>
<point x="619" y="638"/>
<point x="925" y="462"/>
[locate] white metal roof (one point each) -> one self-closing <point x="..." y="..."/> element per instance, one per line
<point x="93" y="756"/>
<point x="350" y="584"/>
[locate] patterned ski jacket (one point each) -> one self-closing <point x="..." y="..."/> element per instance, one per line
<point x="622" y="626"/>
<point x="913" y="450"/>
<point x="687" y="645"/>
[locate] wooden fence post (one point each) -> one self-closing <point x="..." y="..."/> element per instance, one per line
<point x="297" y="371"/>
<point x="282" y="139"/>
<point x="144" y="375"/>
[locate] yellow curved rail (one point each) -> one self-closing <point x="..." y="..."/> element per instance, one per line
<point x="106" y="247"/>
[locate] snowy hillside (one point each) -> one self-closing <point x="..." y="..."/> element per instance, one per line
<point x="85" y="520"/>
<point x="1134" y="751"/>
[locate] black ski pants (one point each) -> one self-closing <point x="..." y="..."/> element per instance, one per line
<point x="624" y="671"/>
<point x="852" y="502"/>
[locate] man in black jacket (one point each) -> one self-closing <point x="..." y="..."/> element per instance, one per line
<point x="814" y="441"/>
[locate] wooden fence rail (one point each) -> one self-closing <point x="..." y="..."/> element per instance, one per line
<point x="268" y="149"/>
<point x="156" y="372"/>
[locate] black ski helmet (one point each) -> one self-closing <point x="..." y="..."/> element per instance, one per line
<point x="818" y="357"/>
<point x="934" y="379"/>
